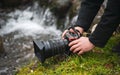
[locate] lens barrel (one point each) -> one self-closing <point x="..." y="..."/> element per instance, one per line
<point x="47" y="49"/>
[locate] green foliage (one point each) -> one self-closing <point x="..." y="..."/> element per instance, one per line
<point x="100" y="61"/>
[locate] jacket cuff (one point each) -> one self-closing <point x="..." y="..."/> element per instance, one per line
<point x="82" y="25"/>
<point x="96" y="42"/>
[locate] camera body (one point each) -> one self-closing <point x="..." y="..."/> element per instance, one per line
<point x="47" y="49"/>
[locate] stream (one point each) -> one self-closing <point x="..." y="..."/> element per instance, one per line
<point x="18" y="33"/>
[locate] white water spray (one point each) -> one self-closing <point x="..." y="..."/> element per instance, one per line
<point x="30" y="22"/>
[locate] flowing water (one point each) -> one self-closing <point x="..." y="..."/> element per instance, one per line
<point x="20" y="29"/>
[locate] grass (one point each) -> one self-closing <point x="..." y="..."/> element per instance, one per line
<point x="100" y="61"/>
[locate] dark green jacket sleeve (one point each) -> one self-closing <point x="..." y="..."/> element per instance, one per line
<point x="88" y="11"/>
<point x="109" y="22"/>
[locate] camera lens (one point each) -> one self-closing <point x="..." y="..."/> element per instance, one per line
<point x="46" y="49"/>
<point x="54" y="47"/>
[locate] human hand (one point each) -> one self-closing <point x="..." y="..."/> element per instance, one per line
<point x="80" y="29"/>
<point x="81" y="45"/>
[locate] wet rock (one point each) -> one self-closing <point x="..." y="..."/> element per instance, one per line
<point x="61" y="8"/>
<point x="45" y="3"/>
<point x="10" y="2"/>
<point x="2" y="23"/>
<point x="1" y="46"/>
<point x="70" y="10"/>
<point x="7" y="3"/>
<point x="75" y="8"/>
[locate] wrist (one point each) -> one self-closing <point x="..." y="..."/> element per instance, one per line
<point x="92" y="43"/>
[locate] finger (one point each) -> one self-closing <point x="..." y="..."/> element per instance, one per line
<point x="71" y="30"/>
<point x="63" y="34"/>
<point x="77" y="50"/>
<point x="80" y="52"/>
<point x="74" y="46"/>
<point x="73" y="42"/>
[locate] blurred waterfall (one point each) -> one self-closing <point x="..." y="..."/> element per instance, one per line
<point x="32" y="21"/>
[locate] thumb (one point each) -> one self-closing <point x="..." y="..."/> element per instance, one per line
<point x="63" y="34"/>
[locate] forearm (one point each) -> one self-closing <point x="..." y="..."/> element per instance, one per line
<point x="88" y="11"/>
<point x="109" y="22"/>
